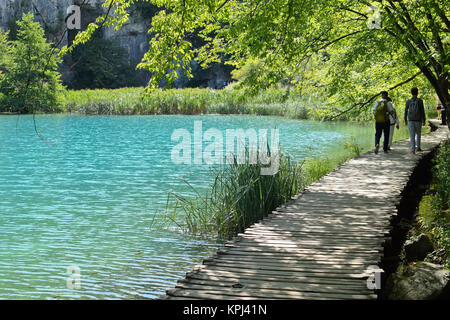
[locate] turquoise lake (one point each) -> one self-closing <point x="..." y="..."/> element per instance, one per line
<point x="86" y="195"/>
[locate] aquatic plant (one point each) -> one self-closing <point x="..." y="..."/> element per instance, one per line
<point x="239" y="197"/>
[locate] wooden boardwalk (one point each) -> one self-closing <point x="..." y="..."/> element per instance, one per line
<point x="320" y="244"/>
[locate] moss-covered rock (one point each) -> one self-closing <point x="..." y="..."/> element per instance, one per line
<point x="419" y="281"/>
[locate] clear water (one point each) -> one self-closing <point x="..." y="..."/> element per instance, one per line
<point x="87" y="198"/>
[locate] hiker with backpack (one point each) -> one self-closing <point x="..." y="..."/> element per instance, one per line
<point x="381" y="111"/>
<point x="415" y="119"/>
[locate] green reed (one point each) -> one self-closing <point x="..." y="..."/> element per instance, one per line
<point x="239" y="196"/>
<point x="134" y="101"/>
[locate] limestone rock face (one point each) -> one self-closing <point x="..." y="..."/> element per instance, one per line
<point x="419" y="281"/>
<point x="133" y="36"/>
<point x="52" y="13"/>
<point x="417" y="250"/>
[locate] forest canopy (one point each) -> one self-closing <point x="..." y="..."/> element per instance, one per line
<point x="348" y="49"/>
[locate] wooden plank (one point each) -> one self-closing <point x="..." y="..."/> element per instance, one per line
<point x="341" y="204"/>
<point x="323" y="251"/>
<point x="333" y="219"/>
<point x="381" y="232"/>
<point x="296" y="237"/>
<point x="289" y="266"/>
<point x="312" y="233"/>
<point x="342" y="259"/>
<point x="321" y="199"/>
<point x="332" y="213"/>
<point x="355" y="186"/>
<point x="283" y="259"/>
<point x="247" y="237"/>
<point x="272" y="294"/>
<point x="358" y="271"/>
<point x="309" y="242"/>
<point x="279" y="286"/>
<point x="224" y="276"/>
<point x="262" y="272"/>
<point x="353" y="212"/>
<point x="336" y="201"/>
<point x="358" y="211"/>
<point x="213" y="295"/>
<point x="336" y="230"/>
<point x="332" y="180"/>
<point x="167" y="297"/>
<point x="291" y="225"/>
<point x="305" y="245"/>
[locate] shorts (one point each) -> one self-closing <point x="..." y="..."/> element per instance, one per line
<point x="438" y="107"/>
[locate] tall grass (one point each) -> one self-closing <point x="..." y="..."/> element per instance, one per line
<point x="239" y="196"/>
<point x="134" y="101"/>
<point x="354" y="147"/>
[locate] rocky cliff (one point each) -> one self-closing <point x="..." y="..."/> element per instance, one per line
<point x="133" y="36"/>
<point x="52" y="13"/>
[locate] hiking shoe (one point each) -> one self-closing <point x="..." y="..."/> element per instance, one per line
<point x="377" y="147"/>
<point x="385" y="151"/>
<point x="419" y="150"/>
<point x="413" y="152"/>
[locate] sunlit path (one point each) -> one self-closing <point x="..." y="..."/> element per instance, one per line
<point x="322" y="243"/>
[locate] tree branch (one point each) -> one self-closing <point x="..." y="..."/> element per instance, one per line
<point x="420" y="41"/>
<point x="365" y="103"/>
<point x="340" y="38"/>
<point x="356" y="12"/>
<point x="222" y="5"/>
<point x="437" y="38"/>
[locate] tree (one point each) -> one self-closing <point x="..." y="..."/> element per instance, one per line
<point x="29" y="80"/>
<point x="5" y="53"/>
<point x="388" y="44"/>
<point x="5" y="56"/>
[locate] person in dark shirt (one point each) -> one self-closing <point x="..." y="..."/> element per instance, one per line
<point x="415" y="119"/>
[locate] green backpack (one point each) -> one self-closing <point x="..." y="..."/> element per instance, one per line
<point x="381" y="113"/>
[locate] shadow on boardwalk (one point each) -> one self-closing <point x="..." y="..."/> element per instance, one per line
<point x="321" y="243"/>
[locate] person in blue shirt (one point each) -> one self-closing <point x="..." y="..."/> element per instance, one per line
<point x="415" y="119"/>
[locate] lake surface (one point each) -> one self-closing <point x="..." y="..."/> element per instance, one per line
<point x="86" y="195"/>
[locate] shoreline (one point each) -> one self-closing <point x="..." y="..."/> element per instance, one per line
<point x="188" y="115"/>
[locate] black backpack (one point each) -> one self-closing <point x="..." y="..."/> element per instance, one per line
<point x="414" y="110"/>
